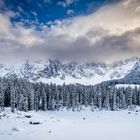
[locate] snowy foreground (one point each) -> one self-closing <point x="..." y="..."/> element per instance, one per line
<point x="68" y="125"/>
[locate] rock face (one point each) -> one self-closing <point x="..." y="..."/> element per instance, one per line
<point x="53" y="71"/>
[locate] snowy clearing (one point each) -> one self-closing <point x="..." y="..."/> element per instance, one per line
<point x="68" y="125"/>
<point x="127" y="85"/>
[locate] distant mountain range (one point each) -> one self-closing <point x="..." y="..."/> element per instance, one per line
<point x="53" y="71"/>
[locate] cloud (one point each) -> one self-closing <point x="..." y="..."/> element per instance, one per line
<point x="1" y="3"/>
<point x="66" y="3"/>
<point x="18" y="32"/>
<point x="108" y="48"/>
<point x="14" y="37"/>
<point x="70" y="11"/>
<point x="109" y="34"/>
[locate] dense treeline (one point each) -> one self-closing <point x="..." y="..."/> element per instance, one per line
<point x="22" y="95"/>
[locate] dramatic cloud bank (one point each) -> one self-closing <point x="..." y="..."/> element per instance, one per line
<point x="110" y="33"/>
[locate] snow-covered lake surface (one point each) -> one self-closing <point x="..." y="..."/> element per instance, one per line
<point x="68" y="125"/>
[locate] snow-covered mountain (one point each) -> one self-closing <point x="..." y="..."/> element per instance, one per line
<point x="83" y="73"/>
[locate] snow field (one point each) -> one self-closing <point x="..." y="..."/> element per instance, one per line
<point x="68" y="125"/>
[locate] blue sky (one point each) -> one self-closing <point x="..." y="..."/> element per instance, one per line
<point x="43" y="11"/>
<point x="69" y="30"/>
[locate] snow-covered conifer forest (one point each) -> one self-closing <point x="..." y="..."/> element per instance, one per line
<point x="23" y="95"/>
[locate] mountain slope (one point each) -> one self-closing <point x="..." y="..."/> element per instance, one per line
<point x="83" y="73"/>
<point x="134" y="75"/>
<point x="132" y="78"/>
